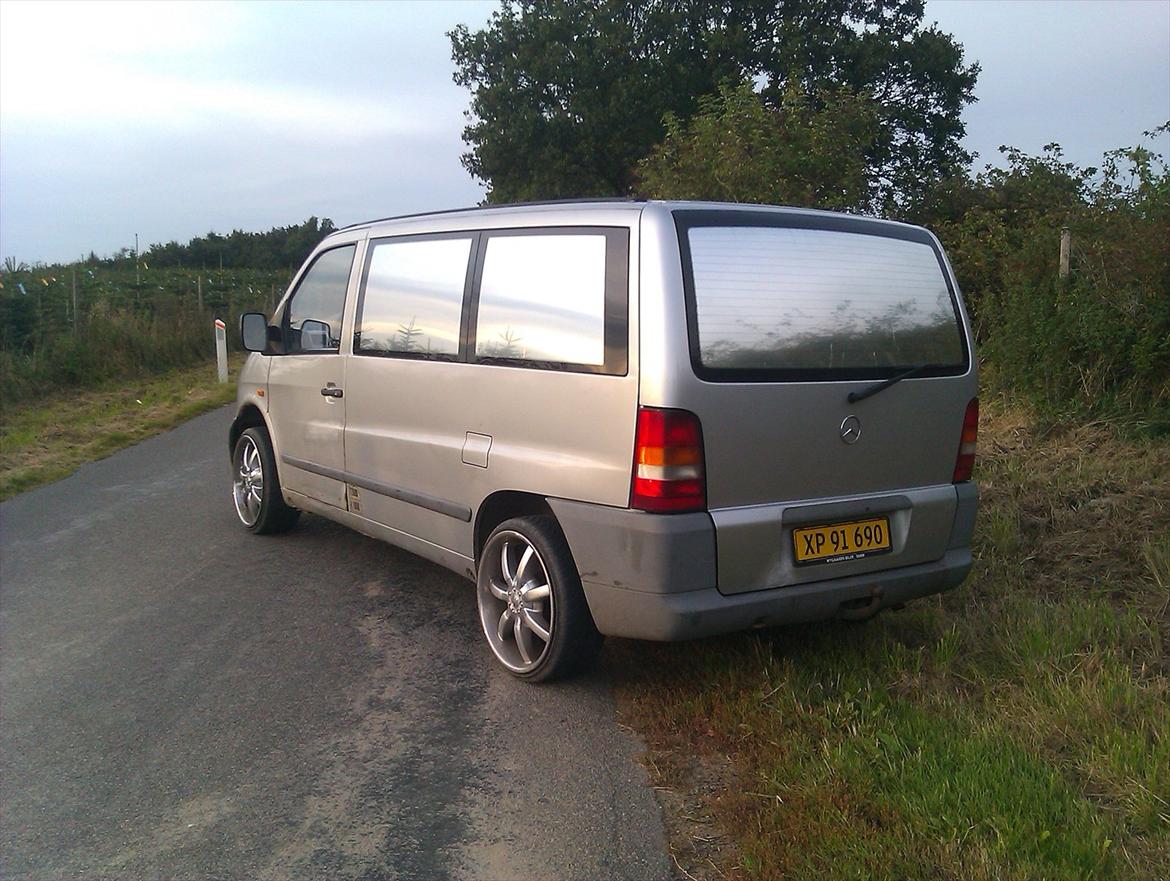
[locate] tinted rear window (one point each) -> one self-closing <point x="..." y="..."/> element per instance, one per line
<point x="785" y="302"/>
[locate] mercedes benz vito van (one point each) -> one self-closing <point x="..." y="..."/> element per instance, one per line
<point x="641" y="419"/>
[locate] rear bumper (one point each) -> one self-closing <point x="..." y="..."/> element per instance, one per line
<point x="674" y="616"/>
<point x="656" y="577"/>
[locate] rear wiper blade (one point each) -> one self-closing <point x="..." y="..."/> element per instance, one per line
<point x="854" y="397"/>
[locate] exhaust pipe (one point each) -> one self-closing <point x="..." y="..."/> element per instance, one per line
<point x="862" y="608"/>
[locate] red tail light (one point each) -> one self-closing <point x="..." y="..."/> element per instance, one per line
<point x="668" y="462"/>
<point x="965" y="462"/>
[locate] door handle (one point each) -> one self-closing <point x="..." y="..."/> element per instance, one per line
<point x="331" y="391"/>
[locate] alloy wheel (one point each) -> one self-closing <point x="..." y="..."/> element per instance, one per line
<point x="248" y="483"/>
<point x="515" y="601"/>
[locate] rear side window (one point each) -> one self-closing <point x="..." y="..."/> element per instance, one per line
<point x="801" y="303"/>
<point x="412" y="299"/>
<point x="554" y="299"/>
<point x="319" y="300"/>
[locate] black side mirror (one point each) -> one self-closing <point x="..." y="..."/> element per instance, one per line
<point x="254" y="331"/>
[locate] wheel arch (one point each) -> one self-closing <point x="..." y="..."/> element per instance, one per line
<point x="249" y="416"/>
<point x="504" y="505"/>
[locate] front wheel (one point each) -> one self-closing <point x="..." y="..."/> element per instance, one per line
<point x="531" y="605"/>
<point x="256" y="486"/>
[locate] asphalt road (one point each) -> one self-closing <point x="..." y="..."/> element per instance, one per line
<point x="180" y="699"/>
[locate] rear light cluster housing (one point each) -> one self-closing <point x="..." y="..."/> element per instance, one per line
<point x="965" y="461"/>
<point x="669" y="474"/>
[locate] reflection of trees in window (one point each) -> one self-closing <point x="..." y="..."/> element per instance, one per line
<point x="507" y="346"/>
<point x="406" y="340"/>
<point x="905" y="333"/>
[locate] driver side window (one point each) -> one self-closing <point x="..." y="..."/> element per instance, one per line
<point x="313" y="319"/>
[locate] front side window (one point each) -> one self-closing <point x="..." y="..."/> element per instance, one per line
<point x="554" y="300"/>
<point x="313" y="317"/>
<point x="800" y="303"/>
<point x="412" y="300"/>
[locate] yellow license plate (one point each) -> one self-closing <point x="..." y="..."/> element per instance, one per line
<point x="839" y="542"/>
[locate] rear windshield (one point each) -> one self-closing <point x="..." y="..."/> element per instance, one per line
<point x="778" y="302"/>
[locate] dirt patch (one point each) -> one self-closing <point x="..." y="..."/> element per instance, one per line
<point x="688" y="790"/>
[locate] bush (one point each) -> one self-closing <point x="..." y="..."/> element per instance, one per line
<point x="1099" y="340"/>
<point x="1095" y="342"/>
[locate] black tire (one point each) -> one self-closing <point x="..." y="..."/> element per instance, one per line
<point x="270" y="515"/>
<point x="573" y="641"/>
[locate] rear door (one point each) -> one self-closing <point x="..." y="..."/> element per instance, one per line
<point x="787" y="315"/>
<point x="306" y="385"/>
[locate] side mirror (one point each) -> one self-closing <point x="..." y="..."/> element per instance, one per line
<point x="254" y="331"/>
<point x="316" y="336"/>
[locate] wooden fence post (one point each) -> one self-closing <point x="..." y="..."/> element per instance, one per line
<point x="1065" y="250"/>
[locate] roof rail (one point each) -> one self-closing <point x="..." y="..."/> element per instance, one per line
<point x="583" y="201"/>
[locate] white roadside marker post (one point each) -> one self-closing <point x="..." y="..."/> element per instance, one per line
<point x="221" y="349"/>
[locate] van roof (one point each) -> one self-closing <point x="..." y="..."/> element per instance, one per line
<point x="606" y="203"/>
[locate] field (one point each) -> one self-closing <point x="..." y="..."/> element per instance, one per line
<point x="1018" y="727"/>
<point x="66" y="328"/>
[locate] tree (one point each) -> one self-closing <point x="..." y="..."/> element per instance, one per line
<point x="406" y="338"/>
<point x="568" y="95"/>
<point x="736" y="148"/>
<point x="280" y="248"/>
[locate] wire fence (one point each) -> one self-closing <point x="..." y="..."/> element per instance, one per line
<point x="84" y="325"/>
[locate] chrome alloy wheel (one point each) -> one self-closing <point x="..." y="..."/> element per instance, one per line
<point x="515" y="601"/>
<point x="248" y="484"/>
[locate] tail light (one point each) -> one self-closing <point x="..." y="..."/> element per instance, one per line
<point x="668" y="462"/>
<point x="965" y="461"/>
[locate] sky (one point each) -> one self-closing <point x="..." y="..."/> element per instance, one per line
<point x="172" y="119"/>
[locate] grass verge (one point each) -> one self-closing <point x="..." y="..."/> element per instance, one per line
<point x="46" y="440"/>
<point x="1018" y="727"/>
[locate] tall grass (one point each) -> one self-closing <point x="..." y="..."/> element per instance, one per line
<point x="120" y="328"/>
<point x="112" y="344"/>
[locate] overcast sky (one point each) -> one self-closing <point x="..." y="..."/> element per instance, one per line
<point x="169" y="120"/>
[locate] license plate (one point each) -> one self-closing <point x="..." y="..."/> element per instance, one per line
<point x="839" y="542"/>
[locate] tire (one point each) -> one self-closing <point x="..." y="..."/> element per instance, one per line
<point x="531" y="605"/>
<point x="256" y="486"/>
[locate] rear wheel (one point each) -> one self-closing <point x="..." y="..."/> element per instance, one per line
<point x="256" y="486"/>
<point x="531" y="605"/>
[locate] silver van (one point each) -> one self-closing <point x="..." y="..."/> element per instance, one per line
<point x="651" y="420"/>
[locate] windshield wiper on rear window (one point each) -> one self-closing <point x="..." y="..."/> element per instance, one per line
<point x="854" y="397"/>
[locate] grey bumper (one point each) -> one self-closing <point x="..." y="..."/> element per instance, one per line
<point x="654" y="577"/>
<point x="674" y="616"/>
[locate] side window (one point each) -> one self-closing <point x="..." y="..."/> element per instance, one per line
<point x="412" y="298"/>
<point x="313" y="317"/>
<point x="550" y="299"/>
